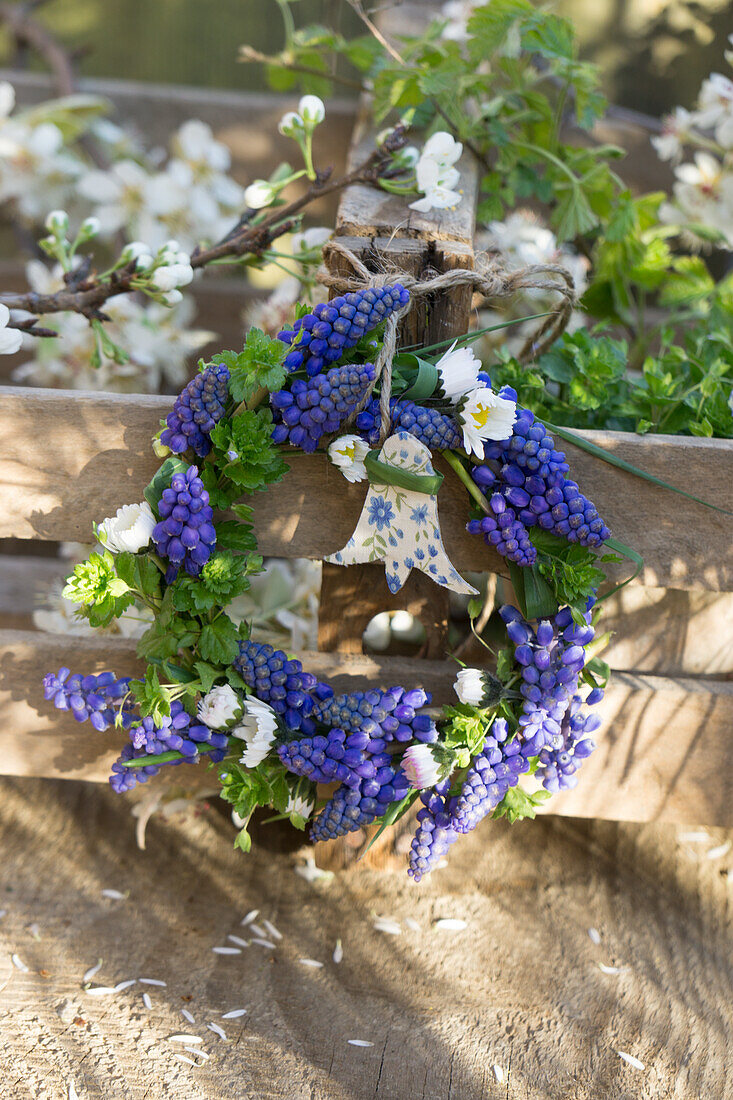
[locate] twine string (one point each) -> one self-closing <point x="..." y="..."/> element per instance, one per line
<point x="488" y="279"/>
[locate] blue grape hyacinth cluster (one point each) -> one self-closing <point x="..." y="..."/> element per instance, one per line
<point x="185" y="534"/>
<point x="390" y="714"/>
<point x="304" y="702"/>
<point x="435" y="832"/>
<point x="435" y="429"/>
<point x="531" y="478"/>
<point x="503" y="530"/>
<point x="177" y="731"/>
<point x="316" y="407"/>
<point x="335" y="757"/>
<point x="96" y="699"/>
<point x="496" y="768"/>
<point x="196" y="411"/>
<point x="558" y="767"/>
<point x="276" y="679"/>
<point x="321" y="337"/>
<point x="353" y="807"/>
<point x="551" y="659"/>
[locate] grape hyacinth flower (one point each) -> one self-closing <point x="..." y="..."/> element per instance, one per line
<point x="196" y="410"/>
<point x="185" y="534"/>
<point x="531" y="477"/>
<point x="435" y="429"/>
<point x="558" y="767"/>
<point x="335" y="757"/>
<point x="551" y="659"/>
<point x="435" y="832"/>
<point x="302" y="701"/>
<point x="391" y="715"/>
<point x="97" y="699"/>
<point x="279" y="681"/>
<point x="504" y="532"/>
<point x="496" y="768"/>
<point x="351" y="808"/>
<point x="321" y="337"/>
<point x="177" y="732"/>
<point x="319" y="406"/>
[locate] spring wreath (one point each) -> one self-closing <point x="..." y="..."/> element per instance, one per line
<point x="336" y="382"/>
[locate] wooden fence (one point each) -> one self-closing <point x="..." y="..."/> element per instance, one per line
<point x="70" y="458"/>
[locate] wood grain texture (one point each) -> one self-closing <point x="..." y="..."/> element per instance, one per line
<point x="653" y="762"/>
<point x="520" y="987"/>
<point x="96" y="456"/>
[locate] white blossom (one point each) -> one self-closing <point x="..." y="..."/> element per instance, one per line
<point x="130" y="529"/>
<point x="458" y="371"/>
<point x="312" y="110"/>
<point x="435" y="173"/>
<point x="259" y="194"/>
<point x="675" y="134"/>
<point x="715" y="108"/>
<point x="172" y="276"/>
<point x="291" y="124"/>
<point x="484" y="415"/>
<point x="159" y="339"/>
<point x="257" y="729"/>
<point x="420" y="766"/>
<point x="469" y="686"/>
<point x="219" y="707"/>
<point x="348" y="453"/>
<point x="302" y="806"/>
<point x="11" y="339"/>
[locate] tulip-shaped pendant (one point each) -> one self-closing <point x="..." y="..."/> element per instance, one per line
<point x="399" y="521"/>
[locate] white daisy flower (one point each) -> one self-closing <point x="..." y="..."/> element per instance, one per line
<point x="469" y="686"/>
<point x="420" y="767"/>
<point x="129" y="529"/>
<point x="257" y="729"/>
<point x="484" y="415"/>
<point x="348" y="453"/>
<point x="458" y="371"/>
<point x="219" y="707"/>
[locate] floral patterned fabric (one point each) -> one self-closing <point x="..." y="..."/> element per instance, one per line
<point x="400" y="527"/>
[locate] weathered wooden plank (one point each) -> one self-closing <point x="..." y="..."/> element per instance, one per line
<point x="70" y="458"/>
<point x="653" y="761"/>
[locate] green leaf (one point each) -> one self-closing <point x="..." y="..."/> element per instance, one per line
<point x="257" y="366"/>
<point x="517" y="804"/>
<point x="208" y="675"/>
<point x="219" y="642"/>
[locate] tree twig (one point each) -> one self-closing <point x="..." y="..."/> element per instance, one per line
<point x="33" y="34"/>
<point x="249" y="53"/>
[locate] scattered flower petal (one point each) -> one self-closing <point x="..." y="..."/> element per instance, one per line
<point x="635" y="1062"/>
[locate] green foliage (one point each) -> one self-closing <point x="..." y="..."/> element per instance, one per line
<point x="506" y="93"/>
<point x="223" y="578"/>
<point x="568" y="568"/>
<point x="466" y="728"/>
<point x="247" y="788"/>
<point x="219" y="641"/>
<point x="682" y="388"/>
<point x="95" y="586"/>
<point x="257" y="366"/>
<point x="258" y="462"/>
<point x="518" y="804"/>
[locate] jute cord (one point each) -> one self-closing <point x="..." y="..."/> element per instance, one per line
<point x="488" y="279"/>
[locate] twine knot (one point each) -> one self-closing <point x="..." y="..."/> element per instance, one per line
<point x="487" y="279"/>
